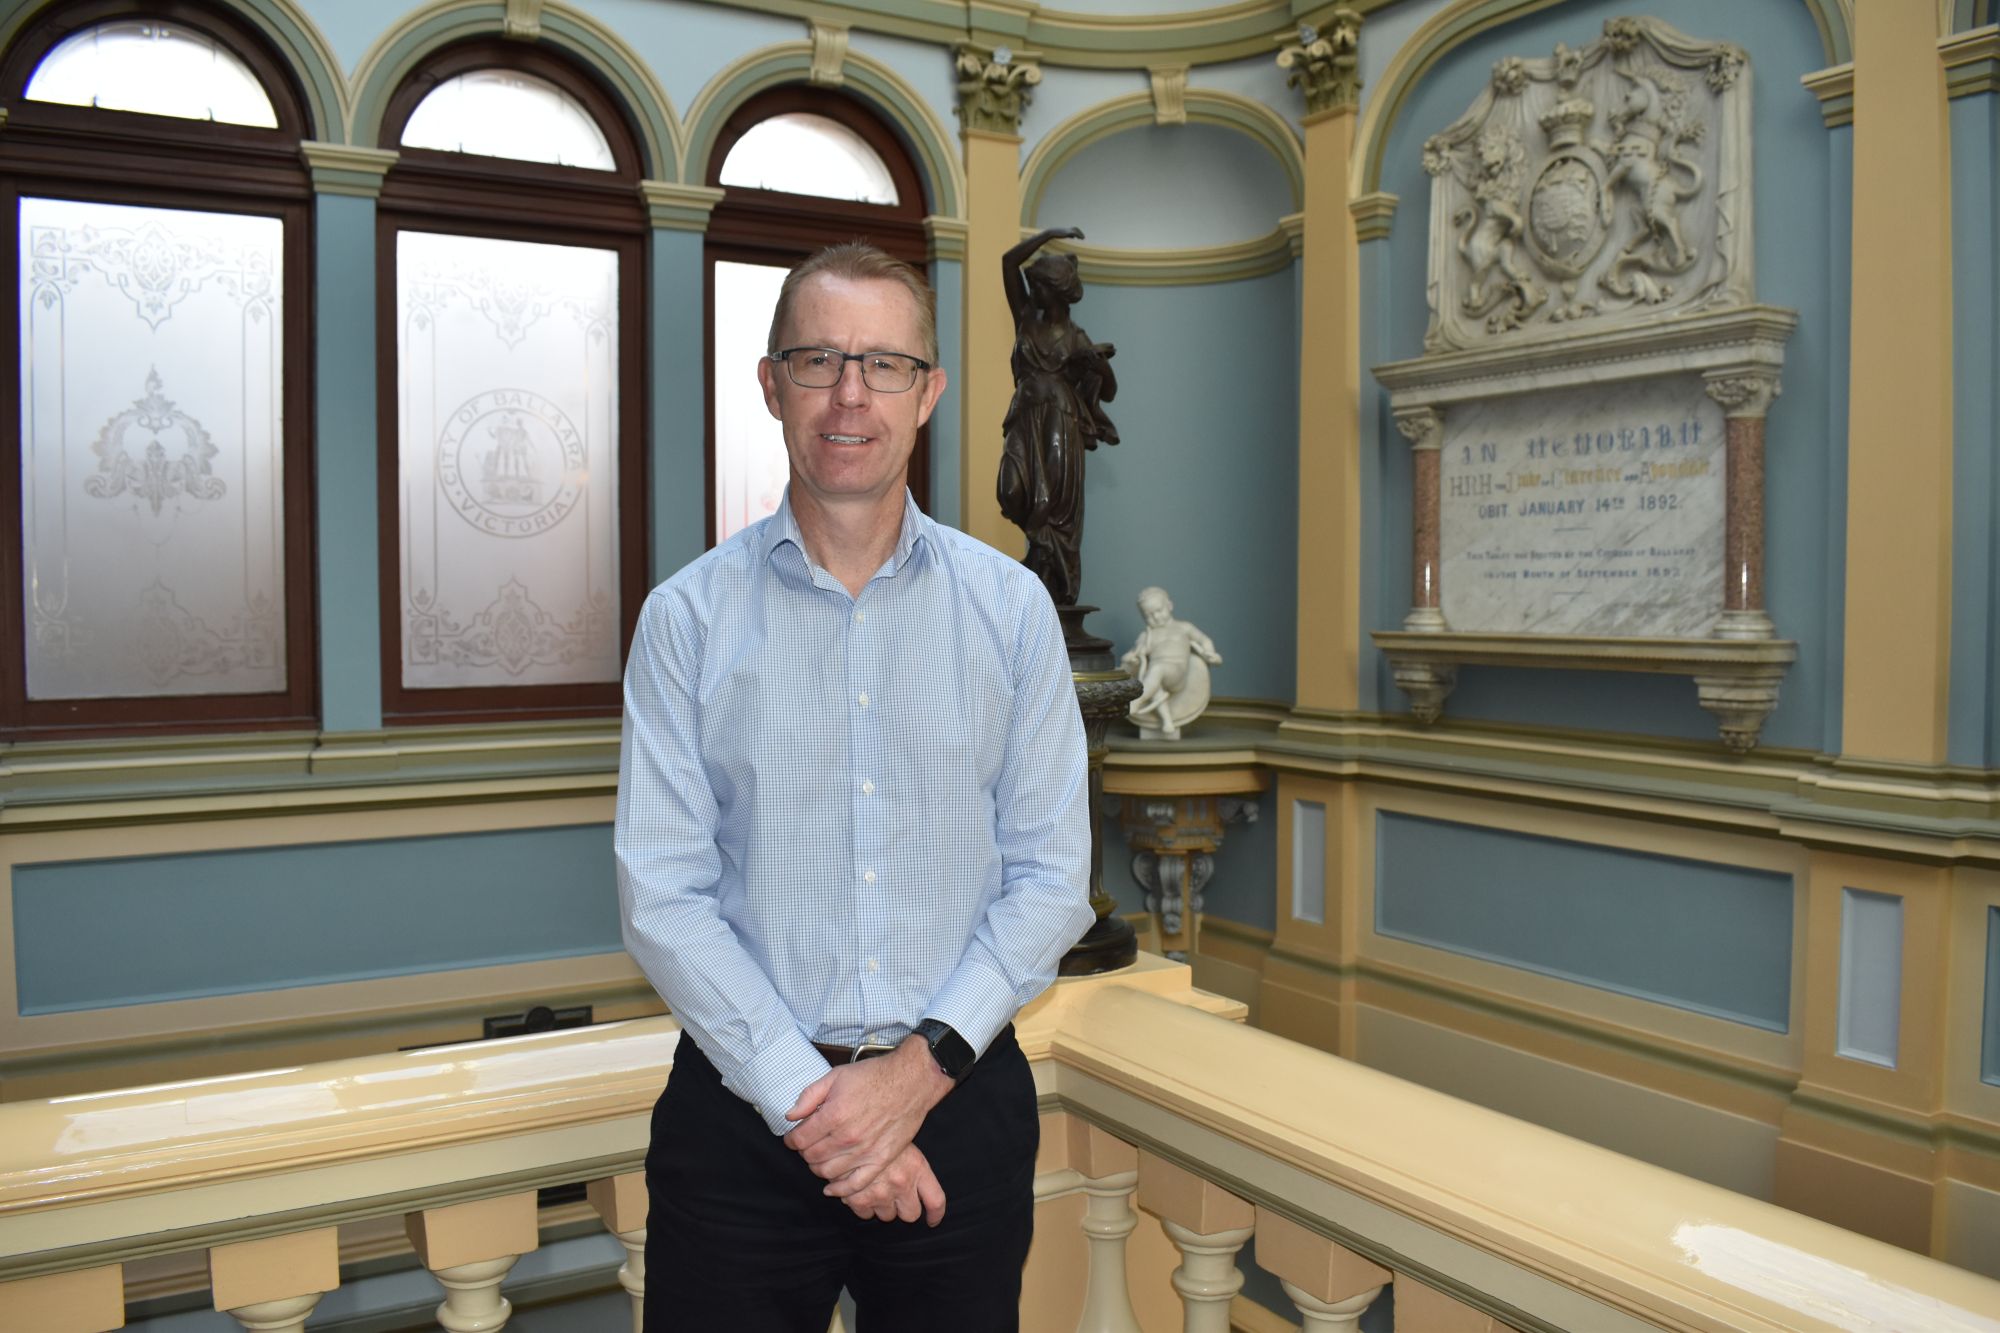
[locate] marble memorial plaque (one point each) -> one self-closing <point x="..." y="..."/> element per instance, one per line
<point x="1593" y="510"/>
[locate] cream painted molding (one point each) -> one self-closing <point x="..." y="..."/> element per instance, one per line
<point x="523" y="20"/>
<point x="339" y="169"/>
<point x="1373" y="214"/>
<point x="675" y="207"/>
<point x="1971" y="62"/>
<point x="829" y="55"/>
<point x="1169" y="94"/>
<point x="1294" y="227"/>
<point x="1835" y="90"/>
<point x="947" y="236"/>
<point x="1195" y="266"/>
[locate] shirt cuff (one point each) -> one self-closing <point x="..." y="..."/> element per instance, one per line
<point x="977" y="1002"/>
<point x="772" y="1080"/>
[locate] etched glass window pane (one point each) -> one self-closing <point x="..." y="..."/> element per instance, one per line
<point x="808" y="154"/>
<point x="750" y="465"/>
<point x="507" y="361"/>
<point x="152" y="431"/>
<point x="158" y="68"/>
<point x="504" y="113"/>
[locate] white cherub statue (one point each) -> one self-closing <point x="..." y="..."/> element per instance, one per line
<point x="1171" y="660"/>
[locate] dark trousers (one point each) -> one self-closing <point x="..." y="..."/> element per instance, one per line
<point x="740" y="1238"/>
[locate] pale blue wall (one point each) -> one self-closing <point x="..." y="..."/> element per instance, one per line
<point x="947" y="434"/>
<point x="350" y="624"/>
<point x="1797" y="265"/>
<point x="1130" y="190"/>
<point x="1066" y="92"/>
<point x="1975" y="603"/>
<point x="1989" y="1064"/>
<point x="679" y="467"/>
<point x="686" y="44"/>
<point x="1697" y="935"/>
<point x="94" y="934"/>
<point x="1201" y="497"/>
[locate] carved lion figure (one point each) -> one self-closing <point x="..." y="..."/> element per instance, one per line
<point x="1488" y="231"/>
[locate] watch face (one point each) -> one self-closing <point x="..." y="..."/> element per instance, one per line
<point x="951" y="1051"/>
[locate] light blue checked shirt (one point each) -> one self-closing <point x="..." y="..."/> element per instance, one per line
<point x="839" y="814"/>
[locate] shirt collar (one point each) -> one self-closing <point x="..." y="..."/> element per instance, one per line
<point x="784" y="527"/>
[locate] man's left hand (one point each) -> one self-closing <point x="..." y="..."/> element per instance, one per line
<point x="855" y="1120"/>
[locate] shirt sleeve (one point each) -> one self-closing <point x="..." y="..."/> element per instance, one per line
<point x="1042" y="826"/>
<point x="668" y="870"/>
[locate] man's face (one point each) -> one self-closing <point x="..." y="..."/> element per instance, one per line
<point x="849" y="441"/>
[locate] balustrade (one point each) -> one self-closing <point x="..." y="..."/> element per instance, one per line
<point x="1349" y="1180"/>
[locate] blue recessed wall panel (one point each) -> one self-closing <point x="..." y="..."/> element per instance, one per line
<point x="134" y="930"/>
<point x="1716" y="939"/>
<point x="1201" y="495"/>
<point x="1798" y="265"/>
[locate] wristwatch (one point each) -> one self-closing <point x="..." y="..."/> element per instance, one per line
<point x="952" y="1052"/>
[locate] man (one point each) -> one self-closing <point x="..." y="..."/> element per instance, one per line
<point x="852" y="841"/>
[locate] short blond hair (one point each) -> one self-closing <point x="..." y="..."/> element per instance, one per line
<point x="858" y="261"/>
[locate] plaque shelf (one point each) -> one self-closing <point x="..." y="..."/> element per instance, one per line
<point x="1736" y="679"/>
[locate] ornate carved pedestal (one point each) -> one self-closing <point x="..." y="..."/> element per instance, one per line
<point x="1103" y="691"/>
<point x="1174" y="840"/>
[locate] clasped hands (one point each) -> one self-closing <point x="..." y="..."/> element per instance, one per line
<point x="857" y="1130"/>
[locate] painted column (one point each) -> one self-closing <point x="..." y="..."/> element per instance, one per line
<point x="1325" y="67"/>
<point x="677" y="509"/>
<point x="346" y="183"/>
<point x="1899" y="520"/>
<point x="993" y="91"/>
<point x="469" y="1248"/>
<point x="1424" y="429"/>
<point x="1745" y="397"/>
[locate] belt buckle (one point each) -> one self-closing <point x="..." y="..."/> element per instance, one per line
<point x="867" y="1049"/>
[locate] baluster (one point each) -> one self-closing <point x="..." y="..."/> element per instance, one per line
<point x="83" y="1300"/>
<point x="1330" y="1285"/>
<point x="274" y="1283"/>
<point x="1208" y="1225"/>
<point x="1110" y="1171"/>
<point x="1422" y="1309"/>
<point x="469" y="1247"/>
<point x="621" y="1202"/>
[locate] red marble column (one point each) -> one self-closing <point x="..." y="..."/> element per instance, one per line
<point x="1745" y="397"/>
<point x="1424" y="429"/>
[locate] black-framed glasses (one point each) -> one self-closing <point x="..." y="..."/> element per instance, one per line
<point x="822" y="367"/>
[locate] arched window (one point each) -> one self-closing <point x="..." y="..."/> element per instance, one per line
<point x="512" y="399"/>
<point x="800" y="168"/>
<point x="156" y="418"/>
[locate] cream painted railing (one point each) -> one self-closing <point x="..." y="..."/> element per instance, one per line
<point x="1348" y="1179"/>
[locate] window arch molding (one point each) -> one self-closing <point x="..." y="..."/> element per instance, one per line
<point x="434" y="204"/>
<point x="771" y="230"/>
<point x="85" y="157"/>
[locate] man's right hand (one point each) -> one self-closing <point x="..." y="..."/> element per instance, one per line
<point x="905" y="1190"/>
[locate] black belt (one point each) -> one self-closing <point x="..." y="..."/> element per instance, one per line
<point x="840" y="1055"/>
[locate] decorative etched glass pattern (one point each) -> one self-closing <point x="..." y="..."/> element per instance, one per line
<point x="504" y="113"/>
<point x="157" y="68"/>
<point x="507" y="403"/>
<point x="152" y="428"/>
<point x="750" y="464"/>
<point x="806" y="154"/>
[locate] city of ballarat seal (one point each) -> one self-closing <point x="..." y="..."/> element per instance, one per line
<point x="510" y="463"/>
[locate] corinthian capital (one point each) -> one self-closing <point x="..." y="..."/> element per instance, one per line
<point x="1743" y="393"/>
<point x="1421" y="426"/>
<point x="993" y="84"/>
<point x="1326" y="66"/>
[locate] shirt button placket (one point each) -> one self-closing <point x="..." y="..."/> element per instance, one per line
<point x="864" y="729"/>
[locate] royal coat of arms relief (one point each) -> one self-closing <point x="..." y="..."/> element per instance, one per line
<point x="1595" y="186"/>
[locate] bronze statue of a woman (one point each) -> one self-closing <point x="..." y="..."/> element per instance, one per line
<point x="1060" y="379"/>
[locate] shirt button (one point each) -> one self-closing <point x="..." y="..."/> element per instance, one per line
<point x="871" y="965"/>
<point x="860" y="616"/>
<point x="863" y="700"/>
<point x="868" y="877"/>
<point x="867" y="789"/>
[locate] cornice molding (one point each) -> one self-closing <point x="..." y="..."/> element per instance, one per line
<point x="672" y="206"/>
<point x="1835" y="90"/>
<point x="1198" y="266"/>
<point x="1373" y="214"/>
<point x="1971" y="62"/>
<point x="338" y="168"/>
<point x="948" y="237"/>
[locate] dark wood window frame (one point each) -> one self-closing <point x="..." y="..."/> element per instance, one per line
<point x="125" y="157"/>
<point x="465" y="194"/>
<point x="780" y="228"/>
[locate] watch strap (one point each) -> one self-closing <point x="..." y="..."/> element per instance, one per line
<point x="953" y="1053"/>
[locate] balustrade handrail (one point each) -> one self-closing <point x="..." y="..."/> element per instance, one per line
<point x="1541" y="1230"/>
